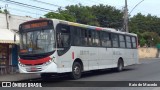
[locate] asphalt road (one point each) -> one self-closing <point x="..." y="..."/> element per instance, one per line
<point x="147" y="70"/>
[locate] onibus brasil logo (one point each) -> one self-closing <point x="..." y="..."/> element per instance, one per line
<point x="19" y="84"/>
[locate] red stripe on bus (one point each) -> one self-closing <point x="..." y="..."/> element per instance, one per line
<point x="73" y="55"/>
<point x="37" y="61"/>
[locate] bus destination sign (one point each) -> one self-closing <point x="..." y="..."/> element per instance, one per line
<point x="34" y="25"/>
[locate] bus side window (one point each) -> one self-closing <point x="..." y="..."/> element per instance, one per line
<point x="83" y="37"/>
<point x="89" y="38"/>
<point x="76" y="38"/>
<point x="115" y="40"/>
<point x="128" y="42"/>
<point x="105" y="39"/>
<point x="63" y="36"/>
<point x="134" y="45"/>
<point x="122" y="41"/>
<point x="95" y="37"/>
<point x="86" y="37"/>
<point x="59" y="44"/>
<point x="109" y="42"/>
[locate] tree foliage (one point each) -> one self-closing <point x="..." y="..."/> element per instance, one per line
<point x="61" y="16"/>
<point x="0" y="11"/>
<point x="108" y="16"/>
<point x="142" y="23"/>
<point x="98" y="15"/>
<point x="147" y="27"/>
<point x="4" y="11"/>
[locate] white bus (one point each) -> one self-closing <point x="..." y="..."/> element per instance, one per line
<point x="49" y="46"/>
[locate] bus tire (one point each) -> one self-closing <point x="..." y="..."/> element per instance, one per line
<point x="76" y="71"/>
<point x="120" y="65"/>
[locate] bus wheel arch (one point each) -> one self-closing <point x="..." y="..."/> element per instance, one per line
<point x="77" y="68"/>
<point x="79" y="61"/>
<point x="120" y="64"/>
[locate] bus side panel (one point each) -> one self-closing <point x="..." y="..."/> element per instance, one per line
<point x="136" y="57"/>
<point x="119" y="53"/>
<point x="64" y="62"/>
<point x="93" y="58"/>
<point x="129" y="57"/>
<point x="105" y="58"/>
<point x="88" y="56"/>
<point x="82" y="54"/>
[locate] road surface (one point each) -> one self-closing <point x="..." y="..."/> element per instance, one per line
<point x="147" y="70"/>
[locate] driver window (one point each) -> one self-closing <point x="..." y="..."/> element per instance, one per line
<point x="63" y="36"/>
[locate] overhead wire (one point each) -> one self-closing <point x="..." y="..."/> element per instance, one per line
<point x="24" y="11"/>
<point x="42" y="2"/>
<point x="34" y="7"/>
<point x="29" y="6"/>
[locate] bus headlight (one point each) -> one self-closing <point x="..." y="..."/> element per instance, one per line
<point x="47" y="63"/>
<point x="22" y="65"/>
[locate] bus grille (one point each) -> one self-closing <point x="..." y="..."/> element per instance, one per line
<point x="33" y="69"/>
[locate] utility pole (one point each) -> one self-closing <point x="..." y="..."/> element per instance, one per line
<point x="125" y="26"/>
<point x="6" y="13"/>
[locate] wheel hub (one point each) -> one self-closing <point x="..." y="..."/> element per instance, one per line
<point x="77" y="70"/>
<point x="120" y="66"/>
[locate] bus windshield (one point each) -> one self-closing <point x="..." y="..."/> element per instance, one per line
<point x="37" y="42"/>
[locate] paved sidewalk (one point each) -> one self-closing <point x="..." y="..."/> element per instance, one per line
<point x="148" y="60"/>
<point x="18" y="77"/>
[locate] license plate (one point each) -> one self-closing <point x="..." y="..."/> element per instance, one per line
<point x="32" y="69"/>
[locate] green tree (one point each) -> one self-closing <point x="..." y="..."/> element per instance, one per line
<point x="82" y="14"/>
<point x="147" y="27"/>
<point x="108" y="16"/>
<point x="0" y="11"/>
<point x="4" y="11"/>
<point x="61" y="16"/>
<point x="142" y="42"/>
<point x="142" y="23"/>
<point x="98" y="15"/>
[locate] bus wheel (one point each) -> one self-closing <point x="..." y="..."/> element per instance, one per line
<point x="76" y="70"/>
<point x="120" y="65"/>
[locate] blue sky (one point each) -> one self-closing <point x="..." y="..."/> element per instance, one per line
<point x="147" y="6"/>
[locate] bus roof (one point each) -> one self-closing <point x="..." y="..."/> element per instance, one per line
<point x="85" y="26"/>
<point x="93" y="27"/>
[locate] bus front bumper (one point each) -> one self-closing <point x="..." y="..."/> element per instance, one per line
<point x="51" y="68"/>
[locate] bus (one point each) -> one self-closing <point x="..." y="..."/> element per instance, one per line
<point x="53" y="46"/>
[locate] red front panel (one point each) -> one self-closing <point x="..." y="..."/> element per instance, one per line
<point x="37" y="61"/>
